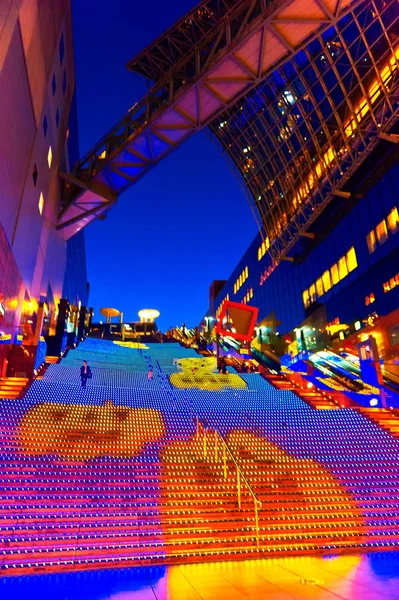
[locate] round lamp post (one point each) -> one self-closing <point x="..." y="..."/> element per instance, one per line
<point x="148" y="315"/>
<point x="108" y="313"/>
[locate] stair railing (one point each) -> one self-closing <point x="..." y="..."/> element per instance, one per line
<point x="240" y="477"/>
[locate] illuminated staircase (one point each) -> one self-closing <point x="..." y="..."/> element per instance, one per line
<point x="109" y="510"/>
<point x="304" y="390"/>
<point x="121" y="473"/>
<point x="385" y="418"/>
<point x="13" y="388"/>
<point x="52" y="360"/>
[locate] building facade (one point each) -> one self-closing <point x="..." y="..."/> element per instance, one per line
<point x="315" y="144"/>
<point x="352" y="273"/>
<point x="38" y="125"/>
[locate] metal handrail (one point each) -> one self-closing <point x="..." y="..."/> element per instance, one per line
<point x="240" y="475"/>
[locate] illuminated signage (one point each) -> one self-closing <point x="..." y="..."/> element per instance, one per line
<point x="266" y="273"/>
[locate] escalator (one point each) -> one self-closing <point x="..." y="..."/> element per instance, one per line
<point x="265" y="359"/>
<point x="391" y="379"/>
<point x="348" y="381"/>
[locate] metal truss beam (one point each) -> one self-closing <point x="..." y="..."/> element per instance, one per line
<point x="201" y="23"/>
<point x="389" y="137"/>
<point x="318" y="202"/>
<point x="255" y="36"/>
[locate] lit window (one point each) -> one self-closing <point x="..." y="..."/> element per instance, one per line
<point x="263" y="248"/>
<point x="393" y="221"/>
<point x="41" y="203"/>
<point x="305" y="297"/>
<point x="351" y="260"/>
<point x="312" y="293"/>
<point x="246" y="272"/>
<point x="326" y="281"/>
<point x="382" y="231"/>
<point x="342" y="268"/>
<point x="334" y="274"/>
<point x="49" y="157"/>
<point x="371" y="241"/>
<point x="289" y="97"/>
<point x="386" y="287"/>
<point x="369" y="299"/>
<point x="319" y="287"/>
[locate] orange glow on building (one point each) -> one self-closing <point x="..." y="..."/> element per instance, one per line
<point x="350" y="126"/>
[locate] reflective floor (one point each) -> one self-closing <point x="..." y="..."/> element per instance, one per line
<point x="367" y="577"/>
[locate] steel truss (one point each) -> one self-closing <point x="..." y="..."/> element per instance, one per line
<point x="248" y="39"/>
<point x="183" y="40"/>
<point x="291" y="186"/>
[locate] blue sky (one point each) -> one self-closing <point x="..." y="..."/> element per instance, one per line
<point x="186" y="222"/>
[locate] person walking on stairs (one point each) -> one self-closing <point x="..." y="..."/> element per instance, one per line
<point x="85" y="374"/>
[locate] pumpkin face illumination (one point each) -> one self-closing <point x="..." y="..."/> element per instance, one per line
<point x="199" y="373"/>
<point x="275" y="475"/>
<point x="82" y="432"/>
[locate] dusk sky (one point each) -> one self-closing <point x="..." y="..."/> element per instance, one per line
<point x="186" y="222"/>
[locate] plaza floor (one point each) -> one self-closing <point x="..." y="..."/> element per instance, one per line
<point x="366" y="577"/>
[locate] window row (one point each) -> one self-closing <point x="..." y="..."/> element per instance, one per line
<point x="330" y="277"/>
<point x="379" y="235"/>
<point x="391" y="284"/>
<point x="248" y="296"/>
<point x="219" y="309"/>
<point x="263" y="248"/>
<point x="240" y="280"/>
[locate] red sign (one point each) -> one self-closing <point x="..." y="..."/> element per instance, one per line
<point x="237" y="320"/>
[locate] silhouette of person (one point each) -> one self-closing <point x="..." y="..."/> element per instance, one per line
<point x="85" y="373"/>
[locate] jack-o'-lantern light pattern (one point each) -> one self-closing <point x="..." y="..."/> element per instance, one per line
<point x="82" y="432"/>
<point x="200" y="373"/>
